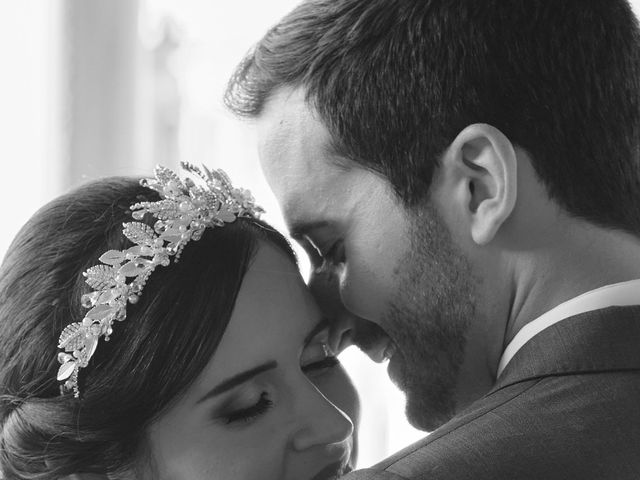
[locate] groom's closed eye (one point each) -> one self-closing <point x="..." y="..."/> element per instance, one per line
<point x="334" y="254"/>
<point x="315" y="258"/>
<point x="307" y="234"/>
<point x="324" y="253"/>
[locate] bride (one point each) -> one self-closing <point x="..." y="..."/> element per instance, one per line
<point x="183" y="345"/>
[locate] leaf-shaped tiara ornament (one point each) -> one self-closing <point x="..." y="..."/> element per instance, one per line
<point x="188" y="206"/>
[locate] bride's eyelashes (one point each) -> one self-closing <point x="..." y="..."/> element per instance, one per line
<point x="324" y="364"/>
<point x="318" y="358"/>
<point x="248" y="414"/>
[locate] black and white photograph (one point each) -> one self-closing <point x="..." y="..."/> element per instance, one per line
<point x="320" y="240"/>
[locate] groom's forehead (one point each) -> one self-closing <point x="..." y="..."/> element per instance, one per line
<point x="285" y="112"/>
<point x="289" y="124"/>
<point x="300" y="163"/>
<point x="294" y="147"/>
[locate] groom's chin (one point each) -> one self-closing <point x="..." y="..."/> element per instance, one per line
<point x="429" y="399"/>
<point x="425" y="413"/>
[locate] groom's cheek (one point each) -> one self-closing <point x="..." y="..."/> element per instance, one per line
<point x="324" y="287"/>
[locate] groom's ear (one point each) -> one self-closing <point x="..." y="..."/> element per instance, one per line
<point x="477" y="181"/>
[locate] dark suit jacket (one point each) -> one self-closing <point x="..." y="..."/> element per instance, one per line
<point x="567" y="406"/>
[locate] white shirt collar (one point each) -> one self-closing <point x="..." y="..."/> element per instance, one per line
<point x="618" y="294"/>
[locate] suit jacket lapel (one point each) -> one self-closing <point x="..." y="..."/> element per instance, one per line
<point x="597" y="341"/>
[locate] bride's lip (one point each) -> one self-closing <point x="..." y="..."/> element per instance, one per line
<point x="332" y="471"/>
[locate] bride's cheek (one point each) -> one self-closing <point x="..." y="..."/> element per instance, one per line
<point x="337" y="387"/>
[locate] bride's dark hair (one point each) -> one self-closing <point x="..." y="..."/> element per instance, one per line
<point x="168" y="338"/>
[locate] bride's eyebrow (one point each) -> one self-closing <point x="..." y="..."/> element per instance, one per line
<point x="242" y="377"/>
<point x="238" y="379"/>
<point x="321" y="325"/>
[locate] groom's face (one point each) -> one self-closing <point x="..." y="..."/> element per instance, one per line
<point x="391" y="266"/>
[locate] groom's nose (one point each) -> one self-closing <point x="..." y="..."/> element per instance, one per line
<point x="346" y="328"/>
<point x="324" y="285"/>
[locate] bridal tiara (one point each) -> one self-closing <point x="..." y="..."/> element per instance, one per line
<point x="185" y="210"/>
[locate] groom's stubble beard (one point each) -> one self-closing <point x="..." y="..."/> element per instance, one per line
<point x="428" y="317"/>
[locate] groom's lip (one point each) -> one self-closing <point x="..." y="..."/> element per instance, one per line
<point x="382" y="351"/>
<point x="332" y="471"/>
<point x="373" y="341"/>
<point x="390" y="350"/>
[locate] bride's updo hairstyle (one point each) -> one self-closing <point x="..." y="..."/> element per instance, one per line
<point x="153" y="356"/>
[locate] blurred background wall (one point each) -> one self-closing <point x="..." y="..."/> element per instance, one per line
<point x="92" y="88"/>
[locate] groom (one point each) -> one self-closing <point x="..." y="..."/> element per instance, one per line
<point x="466" y="175"/>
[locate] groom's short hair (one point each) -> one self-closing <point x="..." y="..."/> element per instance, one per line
<point x="395" y="81"/>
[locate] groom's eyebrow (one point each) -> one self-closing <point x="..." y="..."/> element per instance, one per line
<point x="238" y="379"/>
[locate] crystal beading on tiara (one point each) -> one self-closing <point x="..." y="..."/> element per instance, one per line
<point x="183" y="213"/>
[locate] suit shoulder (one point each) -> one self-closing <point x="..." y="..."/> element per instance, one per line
<point x="370" y="474"/>
<point x="525" y="430"/>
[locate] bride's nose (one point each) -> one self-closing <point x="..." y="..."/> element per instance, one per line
<point x="320" y="423"/>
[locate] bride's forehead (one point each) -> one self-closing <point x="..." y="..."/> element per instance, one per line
<point x="270" y="272"/>
<point x="273" y="308"/>
<point x="272" y="316"/>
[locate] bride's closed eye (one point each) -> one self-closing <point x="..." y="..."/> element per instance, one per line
<point x="246" y="414"/>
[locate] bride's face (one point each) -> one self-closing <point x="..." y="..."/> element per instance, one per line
<point x="272" y="403"/>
